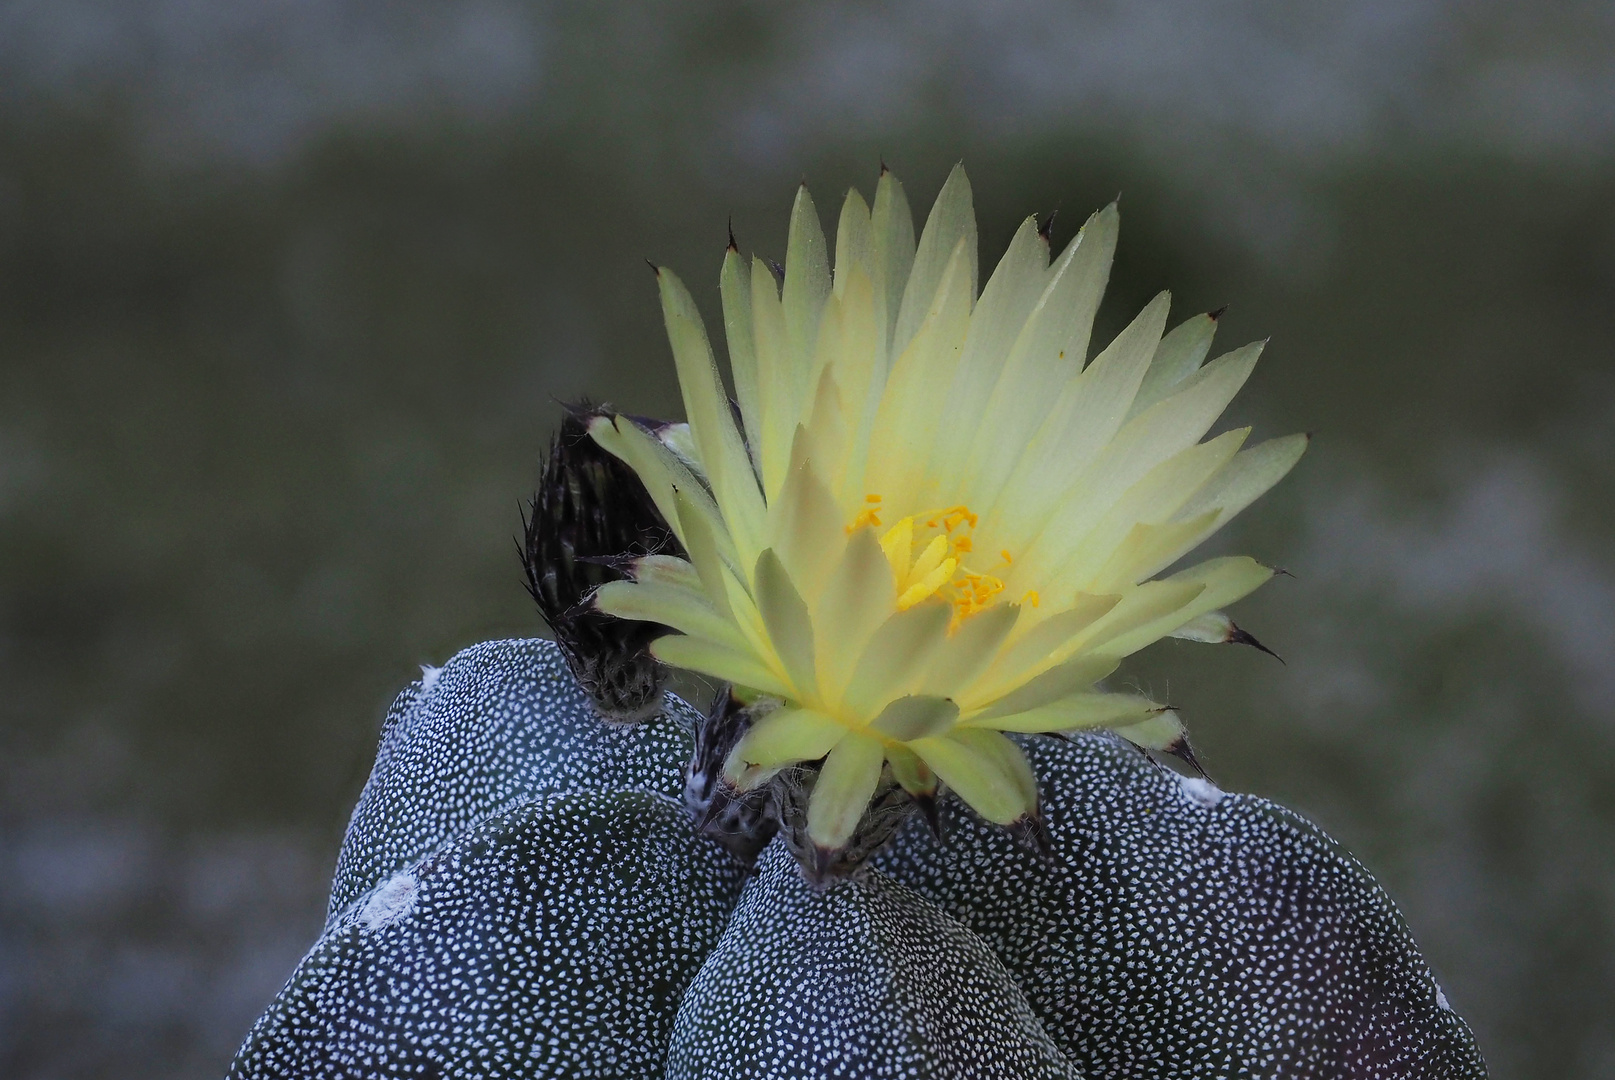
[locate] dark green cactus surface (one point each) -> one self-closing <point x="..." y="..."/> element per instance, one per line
<point x="521" y="894"/>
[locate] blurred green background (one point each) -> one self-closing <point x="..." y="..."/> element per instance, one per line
<point x="289" y="290"/>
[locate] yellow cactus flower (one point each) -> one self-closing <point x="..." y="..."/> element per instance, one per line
<point x="934" y="523"/>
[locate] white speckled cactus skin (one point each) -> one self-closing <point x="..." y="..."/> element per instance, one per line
<point x="521" y="893"/>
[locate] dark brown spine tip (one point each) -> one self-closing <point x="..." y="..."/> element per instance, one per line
<point x="1241" y="637"/>
<point x="1181" y="750"/>
<point x="1279" y="571"/>
<point x="1219" y="313"/>
<point x="1028" y="831"/>
<point x="657" y="270"/>
<point x="1046" y="226"/>
<point x="883" y="169"/>
<point x="733" y="246"/>
<point x="778" y="271"/>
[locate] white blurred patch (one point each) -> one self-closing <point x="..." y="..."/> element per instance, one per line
<point x="394" y="900"/>
<point x="429" y="676"/>
<point x="1201" y="792"/>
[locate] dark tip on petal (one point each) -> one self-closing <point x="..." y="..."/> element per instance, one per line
<point x="1241" y="637"/>
<point x="883" y="169"/>
<point x="1279" y="571"/>
<point x="1181" y="750"/>
<point x="1219" y="313"/>
<point x="657" y="270"/>
<point x="1029" y="832"/>
<point x="778" y="271"/>
<point x="1046" y="226"/>
<point x="734" y="247"/>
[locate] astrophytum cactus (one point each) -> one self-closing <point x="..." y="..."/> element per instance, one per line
<point x="913" y="837"/>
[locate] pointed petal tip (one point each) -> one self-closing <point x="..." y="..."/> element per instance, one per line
<point x="1241" y="637"/>
<point x="1217" y="314"/>
<point x="1046" y="226"/>
<point x="1180" y="749"/>
<point x="733" y="246"/>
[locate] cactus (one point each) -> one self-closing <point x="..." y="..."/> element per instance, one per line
<point x="522" y="892"/>
<point x="914" y="838"/>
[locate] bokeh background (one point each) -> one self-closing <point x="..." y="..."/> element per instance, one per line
<point x="289" y="290"/>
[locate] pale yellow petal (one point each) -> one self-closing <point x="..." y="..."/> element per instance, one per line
<point x="1160" y="732"/>
<point x="858" y="596"/>
<point x="1144" y="442"/>
<point x="891" y="227"/>
<point x="1180" y="355"/>
<point x="665" y="570"/>
<point x="1089" y="411"/>
<point x="1036" y="650"/>
<point x="1011" y="293"/>
<point x="1074" y="676"/>
<point x="843" y="789"/>
<point x="1075" y="713"/>
<point x="785" y="615"/>
<point x="950" y="228"/>
<point x="1247" y="477"/>
<point x="672" y="606"/>
<point x="784" y="736"/>
<point x="723" y="456"/>
<point x="700" y="538"/>
<point x="896" y="656"/>
<point x="1050" y="348"/>
<point x="916" y="393"/>
<point x="1212" y="628"/>
<point x="657" y="467"/>
<point x="912" y="774"/>
<point x="734" y="285"/>
<point x="984" y="769"/>
<point x="915" y="716"/>
<point x="854" y="241"/>
<point x="805" y="530"/>
<point x="969" y="649"/>
<point x="807" y="286"/>
<point x="1219" y="583"/>
<point x="775" y="384"/>
<point x="719" y="661"/>
<point x="1117" y="541"/>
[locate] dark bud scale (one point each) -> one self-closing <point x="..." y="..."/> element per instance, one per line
<point x="589" y="518"/>
<point x="743" y="822"/>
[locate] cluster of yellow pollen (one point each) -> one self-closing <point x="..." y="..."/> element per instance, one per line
<point x="942" y="539"/>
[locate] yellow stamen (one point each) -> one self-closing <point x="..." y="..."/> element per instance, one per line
<point x="1031" y="597"/>
<point x="938" y="569"/>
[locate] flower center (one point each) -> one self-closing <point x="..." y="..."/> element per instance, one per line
<point x="927" y="554"/>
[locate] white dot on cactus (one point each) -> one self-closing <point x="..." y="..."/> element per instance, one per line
<point x="429" y="676"/>
<point x="1441" y="999"/>
<point x="394" y="900"/>
<point x="1201" y="792"/>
